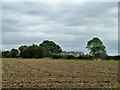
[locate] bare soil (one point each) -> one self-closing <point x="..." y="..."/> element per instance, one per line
<point x="40" y="73"/>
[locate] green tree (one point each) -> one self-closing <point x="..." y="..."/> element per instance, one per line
<point x="27" y="52"/>
<point x="14" y="53"/>
<point x="51" y="47"/>
<point x="21" y="49"/>
<point x="96" y="47"/>
<point x="40" y="52"/>
<point x="32" y="51"/>
<point x="5" y="54"/>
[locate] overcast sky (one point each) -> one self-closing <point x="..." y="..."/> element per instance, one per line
<point x="68" y="24"/>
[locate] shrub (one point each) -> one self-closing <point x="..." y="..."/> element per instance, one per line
<point x="56" y="56"/>
<point x="107" y="58"/>
<point x="70" y="57"/>
<point x="87" y="56"/>
<point x="90" y="57"/>
<point x="81" y="57"/>
<point x="116" y="57"/>
<point x="112" y="58"/>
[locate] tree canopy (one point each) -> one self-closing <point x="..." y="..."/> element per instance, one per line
<point x="14" y="53"/>
<point x="51" y="47"/>
<point x="5" y="54"/>
<point x="32" y="51"/>
<point x="96" y="47"/>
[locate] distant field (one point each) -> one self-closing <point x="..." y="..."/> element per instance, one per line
<point x="42" y="73"/>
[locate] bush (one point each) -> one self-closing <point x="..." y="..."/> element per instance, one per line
<point x="116" y="58"/>
<point x="70" y="57"/>
<point x="107" y="58"/>
<point x="56" y="56"/>
<point x="86" y="57"/>
<point x="90" y="57"/>
<point x="112" y="58"/>
<point x="81" y="57"/>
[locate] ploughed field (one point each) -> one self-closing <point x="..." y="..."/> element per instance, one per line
<point x="40" y="73"/>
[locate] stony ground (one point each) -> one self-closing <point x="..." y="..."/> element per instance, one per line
<point x="40" y="73"/>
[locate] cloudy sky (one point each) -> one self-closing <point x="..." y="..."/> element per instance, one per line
<point x="69" y="24"/>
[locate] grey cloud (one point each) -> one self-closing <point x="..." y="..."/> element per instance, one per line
<point x="70" y="25"/>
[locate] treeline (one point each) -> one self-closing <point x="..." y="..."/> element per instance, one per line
<point x="81" y="55"/>
<point x="51" y="49"/>
<point x="45" y="49"/>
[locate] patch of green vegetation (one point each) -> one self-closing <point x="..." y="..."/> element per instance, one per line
<point x="118" y="87"/>
<point x="49" y="58"/>
<point x="45" y="74"/>
<point x="43" y="69"/>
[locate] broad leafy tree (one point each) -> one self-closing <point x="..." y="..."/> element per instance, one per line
<point x="51" y="47"/>
<point x="96" y="47"/>
<point x="21" y="49"/>
<point x="14" y="53"/>
<point x="32" y="51"/>
<point x="5" y="54"/>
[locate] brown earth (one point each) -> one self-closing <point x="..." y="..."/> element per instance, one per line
<point x="40" y="73"/>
